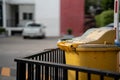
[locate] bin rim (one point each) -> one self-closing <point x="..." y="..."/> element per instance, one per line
<point x="97" y="47"/>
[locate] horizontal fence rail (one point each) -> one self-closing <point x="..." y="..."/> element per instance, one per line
<point x="50" y="55"/>
<point x="50" y="65"/>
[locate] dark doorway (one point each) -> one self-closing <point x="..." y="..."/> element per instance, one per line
<point x="16" y="9"/>
<point x="1" y="17"/>
<point x="16" y="19"/>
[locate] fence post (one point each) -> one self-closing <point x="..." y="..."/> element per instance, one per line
<point x="21" y="71"/>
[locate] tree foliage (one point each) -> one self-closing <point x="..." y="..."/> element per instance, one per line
<point x="107" y="4"/>
<point x="104" y="18"/>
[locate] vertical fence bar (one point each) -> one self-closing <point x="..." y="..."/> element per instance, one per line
<point x="116" y="78"/>
<point x="30" y="72"/>
<point x="54" y="56"/>
<point x="65" y="74"/>
<point x="56" y="73"/>
<point x="46" y="73"/>
<point x="57" y="56"/>
<point x="89" y="76"/>
<point x="21" y="71"/>
<point x="60" y="57"/>
<point x="37" y="77"/>
<point x="42" y="67"/>
<point x="101" y="77"/>
<point x="61" y="74"/>
<point x="76" y="75"/>
<point x="53" y="68"/>
<point x="50" y="73"/>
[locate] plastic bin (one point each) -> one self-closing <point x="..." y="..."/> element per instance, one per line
<point x="103" y="57"/>
<point x="96" y="50"/>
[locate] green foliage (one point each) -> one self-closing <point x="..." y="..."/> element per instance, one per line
<point x="107" y="4"/>
<point x="98" y="20"/>
<point x="69" y="31"/>
<point x="104" y="18"/>
<point x="2" y="30"/>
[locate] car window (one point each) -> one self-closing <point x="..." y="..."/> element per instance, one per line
<point x="34" y="25"/>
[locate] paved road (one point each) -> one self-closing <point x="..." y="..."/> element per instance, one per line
<point x="12" y="47"/>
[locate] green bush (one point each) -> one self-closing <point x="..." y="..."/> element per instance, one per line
<point x="98" y="20"/>
<point x="2" y="30"/>
<point x="69" y="31"/>
<point x="104" y="18"/>
<point x="107" y="4"/>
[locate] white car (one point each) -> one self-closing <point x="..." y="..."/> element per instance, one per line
<point x="111" y="25"/>
<point x="33" y="30"/>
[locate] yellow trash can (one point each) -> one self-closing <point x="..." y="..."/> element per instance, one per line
<point x="97" y="52"/>
<point x="103" y="57"/>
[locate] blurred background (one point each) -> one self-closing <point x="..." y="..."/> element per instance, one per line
<point x="60" y="15"/>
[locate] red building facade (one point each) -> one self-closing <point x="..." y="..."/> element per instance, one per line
<point x="72" y="16"/>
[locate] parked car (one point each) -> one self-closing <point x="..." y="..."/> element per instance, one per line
<point x="111" y="25"/>
<point x="33" y="30"/>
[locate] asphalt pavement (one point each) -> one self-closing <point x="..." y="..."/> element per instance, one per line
<point x="13" y="47"/>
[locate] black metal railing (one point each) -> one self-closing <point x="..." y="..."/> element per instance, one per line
<point x="49" y="55"/>
<point x="50" y="65"/>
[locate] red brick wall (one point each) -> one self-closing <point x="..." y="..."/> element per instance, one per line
<point x="72" y="16"/>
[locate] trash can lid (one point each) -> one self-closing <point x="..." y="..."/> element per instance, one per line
<point x="92" y="38"/>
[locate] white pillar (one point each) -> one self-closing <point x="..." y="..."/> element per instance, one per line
<point x="116" y="21"/>
<point x="4" y="13"/>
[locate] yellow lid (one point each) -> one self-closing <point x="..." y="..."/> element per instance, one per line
<point x="104" y="36"/>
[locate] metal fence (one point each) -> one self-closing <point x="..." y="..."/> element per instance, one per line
<point x="50" y="65"/>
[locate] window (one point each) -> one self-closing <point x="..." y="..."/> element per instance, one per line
<point x="27" y="16"/>
<point x="30" y="16"/>
<point x="24" y="16"/>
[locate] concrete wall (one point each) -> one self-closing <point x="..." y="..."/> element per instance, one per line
<point x="47" y="12"/>
<point x="25" y="9"/>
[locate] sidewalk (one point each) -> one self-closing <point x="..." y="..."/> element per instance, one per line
<point x="1" y="36"/>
